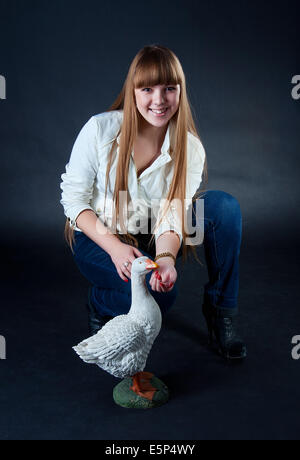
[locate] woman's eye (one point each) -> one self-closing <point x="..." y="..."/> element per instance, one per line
<point x="169" y="88"/>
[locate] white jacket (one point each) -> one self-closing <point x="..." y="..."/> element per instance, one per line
<point x="83" y="183"/>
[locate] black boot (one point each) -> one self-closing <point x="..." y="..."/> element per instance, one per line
<point x="95" y="321"/>
<point x="230" y="346"/>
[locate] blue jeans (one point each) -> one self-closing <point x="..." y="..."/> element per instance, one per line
<point x="222" y="239"/>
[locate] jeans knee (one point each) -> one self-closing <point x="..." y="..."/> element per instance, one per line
<point x="230" y="203"/>
<point x="227" y="208"/>
<point x="231" y="208"/>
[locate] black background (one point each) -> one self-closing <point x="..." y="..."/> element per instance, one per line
<point x="65" y="61"/>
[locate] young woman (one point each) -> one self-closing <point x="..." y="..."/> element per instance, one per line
<point x="130" y="180"/>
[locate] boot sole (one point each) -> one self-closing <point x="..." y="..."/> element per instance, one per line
<point x="213" y="346"/>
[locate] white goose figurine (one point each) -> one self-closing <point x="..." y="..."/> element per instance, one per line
<point x="122" y="346"/>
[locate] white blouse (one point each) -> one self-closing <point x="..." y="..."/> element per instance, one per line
<point x="83" y="183"/>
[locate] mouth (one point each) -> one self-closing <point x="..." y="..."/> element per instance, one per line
<point x="159" y="113"/>
<point x="150" y="264"/>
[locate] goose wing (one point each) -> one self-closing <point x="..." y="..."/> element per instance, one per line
<point x="118" y="337"/>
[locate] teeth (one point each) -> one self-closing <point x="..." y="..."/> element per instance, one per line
<point x="158" y="111"/>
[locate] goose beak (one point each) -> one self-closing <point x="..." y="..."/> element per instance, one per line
<point x="150" y="264"/>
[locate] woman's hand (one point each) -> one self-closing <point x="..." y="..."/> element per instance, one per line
<point x="124" y="253"/>
<point x="165" y="276"/>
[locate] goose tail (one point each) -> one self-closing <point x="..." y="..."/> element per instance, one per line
<point x="88" y="350"/>
<point x="84" y="354"/>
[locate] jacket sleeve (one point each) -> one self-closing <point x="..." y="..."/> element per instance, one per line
<point x="195" y="164"/>
<point x="77" y="181"/>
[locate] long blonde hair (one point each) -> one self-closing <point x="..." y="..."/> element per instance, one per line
<point x="153" y="65"/>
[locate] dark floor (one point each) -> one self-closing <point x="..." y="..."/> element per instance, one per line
<point x="47" y="392"/>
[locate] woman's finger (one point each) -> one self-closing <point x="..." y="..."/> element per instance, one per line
<point x="163" y="287"/>
<point x="153" y="283"/>
<point x="157" y="275"/>
<point x="156" y="286"/>
<point x="121" y="275"/>
<point x="126" y="271"/>
<point x="169" y="288"/>
<point x="137" y="252"/>
<point x="152" y="279"/>
<point x="160" y="287"/>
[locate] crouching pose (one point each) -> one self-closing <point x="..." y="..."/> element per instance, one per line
<point x="133" y="178"/>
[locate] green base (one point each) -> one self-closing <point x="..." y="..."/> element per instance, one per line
<point x="125" y="397"/>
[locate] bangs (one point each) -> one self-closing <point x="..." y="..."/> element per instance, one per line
<point x="155" y="70"/>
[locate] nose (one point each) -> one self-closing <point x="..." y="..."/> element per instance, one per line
<point x="158" y="97"/>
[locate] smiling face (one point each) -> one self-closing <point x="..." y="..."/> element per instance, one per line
<point x="158" y="104"/>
